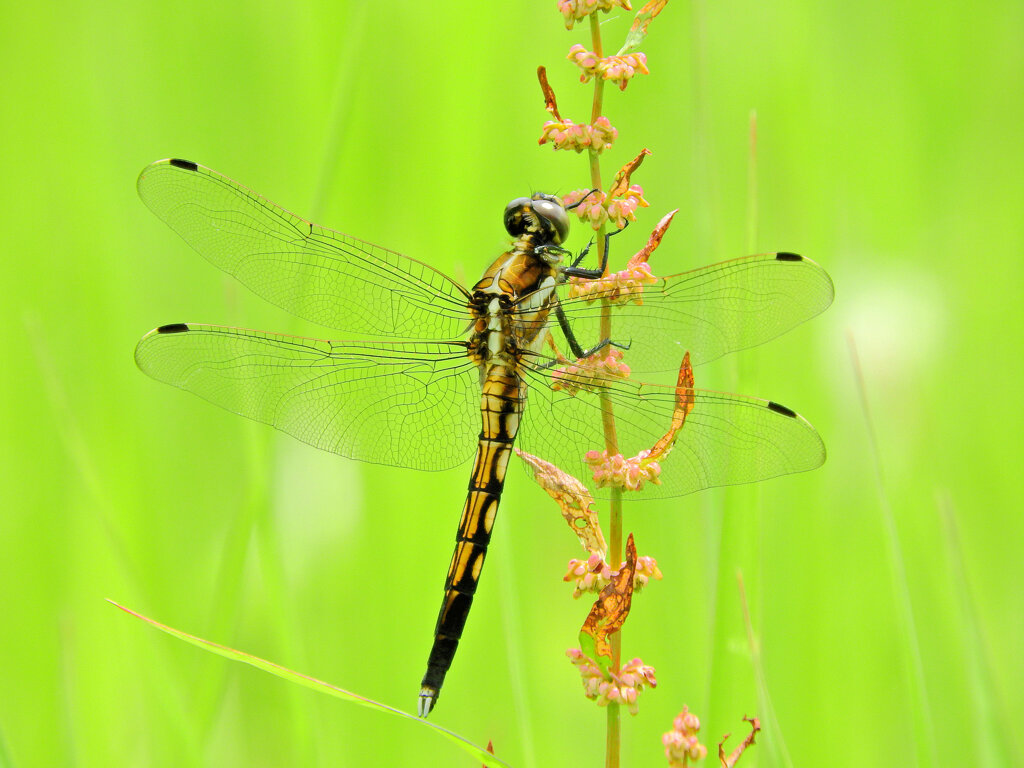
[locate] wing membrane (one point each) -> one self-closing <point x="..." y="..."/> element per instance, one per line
<point x="401" y="403"/>
<point x="725" y="440"/>
<point x="314" y="272"/>
<point x="710" y="311"/>
<point x="417" y="405"/>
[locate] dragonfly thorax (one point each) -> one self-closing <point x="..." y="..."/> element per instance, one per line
<point x="510" y="305"/>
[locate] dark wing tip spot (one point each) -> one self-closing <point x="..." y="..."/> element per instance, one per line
<point x="781" y="409"/>
<point x="187" y="165"/>
<point x="172" y="328"/>
<point x="787" y="256"/>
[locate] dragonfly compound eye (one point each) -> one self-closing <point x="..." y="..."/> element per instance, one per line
<point x="552" y="217"/>
<point x="516" y="221"/>
<point x="543" y="214"/>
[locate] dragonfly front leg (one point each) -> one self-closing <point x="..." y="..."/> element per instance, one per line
<point x="575" y="270"/>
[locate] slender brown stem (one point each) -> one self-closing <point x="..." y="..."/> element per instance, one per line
<point x="613" y="731"/>
<point x="611" y="742"/>
<point x="615" y="557"/>
<point x="595" y="41"/>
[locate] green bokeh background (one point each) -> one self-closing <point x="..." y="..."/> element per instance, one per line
<point x="889" y="616"/>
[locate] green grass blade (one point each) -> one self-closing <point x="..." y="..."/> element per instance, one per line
<point x="5" y="755"/>
<point x="320" y="686"/>
<point x="775" y="743"/>
<point x="924" y="733"/>
<point x="990" y="724"/>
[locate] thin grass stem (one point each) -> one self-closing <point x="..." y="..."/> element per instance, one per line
<point x="766" y="710"/>
<point x="991" y="727"/>
<point x="924" y="735"/>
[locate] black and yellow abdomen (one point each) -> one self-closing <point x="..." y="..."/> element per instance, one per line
<point x="501" y="407"/>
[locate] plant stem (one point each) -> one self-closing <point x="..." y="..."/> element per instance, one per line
<point x="611" y="742"/>
<point x="595" y="41"/>
<point x="615" y="562"/>
<point x="613" y="729"/>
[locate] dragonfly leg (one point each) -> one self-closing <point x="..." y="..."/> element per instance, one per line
<point x="574" y="270"/>
<point x="583" y="254"/>
<point x="574" y="345"/>
<point x="570" y="336"/>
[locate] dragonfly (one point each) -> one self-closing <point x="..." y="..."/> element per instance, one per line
<point x="444" y="373"/>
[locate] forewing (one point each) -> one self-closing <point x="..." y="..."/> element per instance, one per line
<point x="709" y="311"/>
<point x="725" y="440"/>
<point x="407" y="404"/>
<point x="314" y="272"/>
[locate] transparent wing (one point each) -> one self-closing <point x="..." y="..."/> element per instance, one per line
<point x="408" y="404"/>
<point x="709" y="311"/>
<point x="725" y="440"/>
<point x="313" y="272"/>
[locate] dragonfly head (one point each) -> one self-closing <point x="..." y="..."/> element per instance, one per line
<point x="542" y="215"/>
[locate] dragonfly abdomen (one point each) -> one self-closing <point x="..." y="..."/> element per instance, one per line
<point x="501" y="407"/>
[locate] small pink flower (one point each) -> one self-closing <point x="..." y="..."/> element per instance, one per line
<point x="597" y="209"/>
<point x="589" y="373"/>
<point x="575" y="10"/>
<point x="593" y="574"/>
<point x="607" y="687"/>
<point x="584" y="59"/>
<point x="617" y="69"/>
<point x="588" y="574"/>
<point x="621" y="287"/>
<point x="565" y="134"/>
<point x="646" y="569"/>
<point x="681" y="744"/>
<point x="591" y="209"/>
<point x="624" y="208"/>
<point x="628" y="473"/>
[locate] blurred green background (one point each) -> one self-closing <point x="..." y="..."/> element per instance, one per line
<point x="889" y="616"/>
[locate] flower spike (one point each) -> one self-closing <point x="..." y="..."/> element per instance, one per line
<point x="681" y="744"/>
<point x="609" y="687"/>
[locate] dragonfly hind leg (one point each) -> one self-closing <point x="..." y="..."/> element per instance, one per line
<point x="574" y="345"/>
